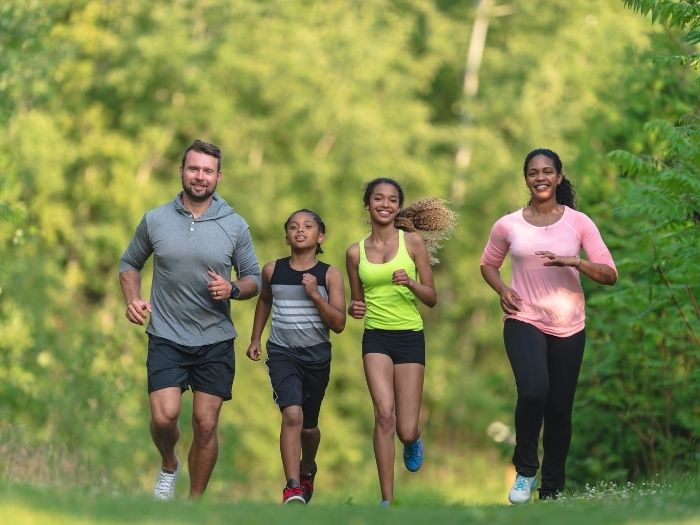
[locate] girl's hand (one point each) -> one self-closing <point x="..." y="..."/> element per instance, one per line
<point x="357" y="309"/>
<point x="557" y="260"/>
<point x="254" y="352"/>
<point x="400" y="277"/>
<point x="310" y="284"/>
<point x="510" y="301"/>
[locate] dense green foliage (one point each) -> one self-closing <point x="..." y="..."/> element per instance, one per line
<point x="640" y="412"/>
<point x="308" y="101"/>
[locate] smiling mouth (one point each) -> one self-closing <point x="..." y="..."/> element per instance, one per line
<point x="540" y="187"/>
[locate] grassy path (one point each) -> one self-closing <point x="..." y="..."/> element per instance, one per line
<point x="676" y="502"/>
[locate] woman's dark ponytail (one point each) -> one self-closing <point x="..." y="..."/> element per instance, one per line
<point x="565" y="190"/>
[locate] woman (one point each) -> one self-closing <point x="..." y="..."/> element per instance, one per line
<point x="389" y="273"/>
<point x="544" y="309"/>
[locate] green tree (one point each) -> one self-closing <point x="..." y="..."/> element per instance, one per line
<point x="641" y="414"/>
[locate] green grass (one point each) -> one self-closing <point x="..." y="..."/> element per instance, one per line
<point x="674" y="502"/>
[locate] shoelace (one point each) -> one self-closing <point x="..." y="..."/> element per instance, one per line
<point x="295" y="491"/>
<point x="413" y="449"/>
<point x="521" y="483"/>
<point x="165" y="482"/>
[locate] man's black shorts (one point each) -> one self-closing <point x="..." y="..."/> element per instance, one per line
<point x="208" y="368"/>
<point x="402" y="346"/>
<point x="297" y="384"/>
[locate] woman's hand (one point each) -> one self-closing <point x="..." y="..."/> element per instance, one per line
<point x="401" y="277"/>
<point x="510" y="301"/>
<point x="357" y="309"/>
<point x="558" y="260"/>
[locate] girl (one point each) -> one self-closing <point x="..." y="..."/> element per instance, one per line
<point x="389" y="272"/>
<point x="306" y="298"/>
<point x="544" y="322"/>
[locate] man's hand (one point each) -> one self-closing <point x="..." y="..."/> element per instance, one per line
<point x="219" y="288"/>
<point x="137" y="311"/>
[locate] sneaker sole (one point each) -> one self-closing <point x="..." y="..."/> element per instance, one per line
<point x="523" y="502"/>
<point x="295" y="499"/>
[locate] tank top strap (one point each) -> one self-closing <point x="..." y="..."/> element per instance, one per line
<point x="361" y="244"/>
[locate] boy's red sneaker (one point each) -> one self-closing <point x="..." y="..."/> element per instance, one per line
<point x="307" y="483"/>
<point x="292" y="493"/>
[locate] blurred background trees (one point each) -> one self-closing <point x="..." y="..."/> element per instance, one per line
<point x="308" y="101"/>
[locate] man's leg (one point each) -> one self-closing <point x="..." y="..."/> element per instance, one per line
<point x="205" y="443"/>
<point x="165" y="411"/>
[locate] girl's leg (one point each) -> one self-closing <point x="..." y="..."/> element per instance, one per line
<point x="408" y="392"/>
<point x="290" y="441"/>
<point x="526" y="347"/>
<point x="564" y="362"/>
<point x="379" y="372"/>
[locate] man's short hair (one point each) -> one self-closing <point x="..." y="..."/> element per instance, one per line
<point x="203" y="147"/>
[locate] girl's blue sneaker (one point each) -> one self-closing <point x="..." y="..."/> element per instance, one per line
<point x="413" y="455"/>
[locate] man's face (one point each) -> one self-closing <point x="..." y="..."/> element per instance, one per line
<point x="200" y="175"/>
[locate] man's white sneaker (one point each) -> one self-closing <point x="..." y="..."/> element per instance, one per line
<point x="165" y="484"/>
<point x="521" y="491"/>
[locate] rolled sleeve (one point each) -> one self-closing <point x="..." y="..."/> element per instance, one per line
<point x="244" y="260"/>
<point x="139" y="249"/>
<point x="594" y="246"/>
<point x="496" y="248"/>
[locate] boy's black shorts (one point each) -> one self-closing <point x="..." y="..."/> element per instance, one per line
<point x="208" y="368"/>
<point x="402" y="346"/>
<point x="295" y="383"/>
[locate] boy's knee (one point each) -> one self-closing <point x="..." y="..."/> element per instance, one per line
<point x="292" y="416"/>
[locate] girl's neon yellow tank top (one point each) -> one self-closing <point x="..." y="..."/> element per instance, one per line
<point x="389" y="306"/>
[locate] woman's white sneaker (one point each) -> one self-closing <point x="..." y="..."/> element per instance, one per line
<point x="521" y="491"/>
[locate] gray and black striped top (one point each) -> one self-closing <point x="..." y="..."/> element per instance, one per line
<point x="297" y="329"/>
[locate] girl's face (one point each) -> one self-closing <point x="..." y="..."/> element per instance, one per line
<point x="303" y="232"/>
<point x="384" y="203"/>
<point x="542" y="178"/>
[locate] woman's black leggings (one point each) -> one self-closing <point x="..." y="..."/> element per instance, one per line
<point x="546" y="371"/>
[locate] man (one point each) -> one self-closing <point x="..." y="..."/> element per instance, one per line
<point x="196" y="240"/>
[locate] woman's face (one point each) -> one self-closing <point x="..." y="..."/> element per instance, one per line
<point x="384" y="203"/>
<point x="542" y="178"/>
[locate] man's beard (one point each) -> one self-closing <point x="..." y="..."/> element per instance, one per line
<point x="198" y="198"/>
